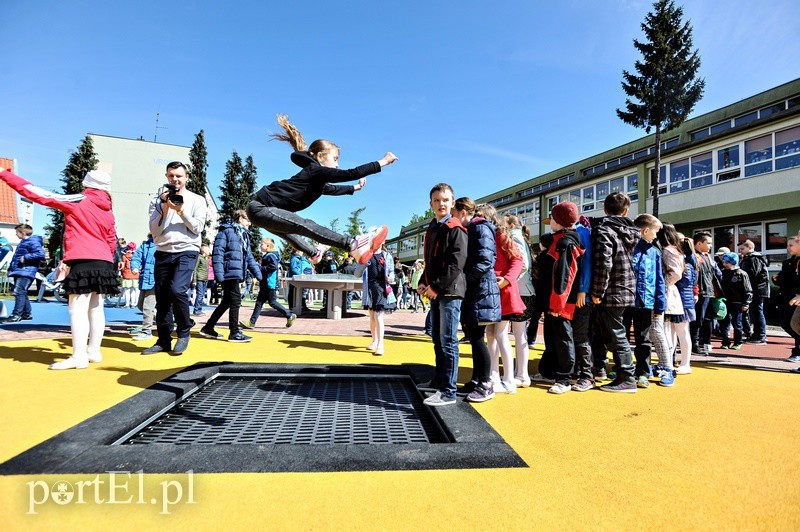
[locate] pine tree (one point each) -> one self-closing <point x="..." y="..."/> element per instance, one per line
<point x="231" y="188"/>
<point x="665" y="86"/>
<point x="198" y="167"/>
<point x="248" y="187"/>
<point x="355" y="225"/>
<point x="81" y="161"/>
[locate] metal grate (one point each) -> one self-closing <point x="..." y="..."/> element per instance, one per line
<point x="297" y="410"/>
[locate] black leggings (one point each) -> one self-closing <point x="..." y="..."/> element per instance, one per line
<point x="292" y="227"/>
<point x="481" y="360"/>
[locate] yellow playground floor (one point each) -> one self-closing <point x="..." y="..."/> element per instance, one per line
<point x="720" y="450"/>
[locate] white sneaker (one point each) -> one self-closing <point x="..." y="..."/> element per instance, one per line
<point x="522" y="383"/>
<point x="95" y="358"/>
<point x="70" y="363"/>
<point x="707" y="348"/>
<point x="683" y="370"/>
<point x="559" y="388"/>
<point x="319" y="253"/>
<point x="504" y="386"/>
<point x="364" y="246"/>
<point x="437" y="400"/>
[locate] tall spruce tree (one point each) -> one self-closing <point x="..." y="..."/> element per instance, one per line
<point x="665" y="88"/>
<point x="81" y="161"/>
<point x="231" y="188"/>
<point x="198" y="167"/>
<point x="249" y="178"/>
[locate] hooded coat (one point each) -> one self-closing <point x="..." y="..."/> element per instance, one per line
<point x="304" y="188"/>
<point x="89" y="232"/>
<point x="144" y="260"/>
<point x="232" y="257"/>
<point x="32" y="251"/>
<point x="755" y="265"/>
<point x="482" y="298"/>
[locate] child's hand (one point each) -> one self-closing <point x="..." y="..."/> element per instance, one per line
<point x="745" y="307"/>
<point x="581" y="301"/>
<point x="795" y="301"/>
<point x="389" y="158"/>
<point x="502" y="282"/>
<point x="595" y="300"/>
<point x="360" y="184"/>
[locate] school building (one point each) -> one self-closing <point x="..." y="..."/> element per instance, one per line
<point x="734" y="172"/>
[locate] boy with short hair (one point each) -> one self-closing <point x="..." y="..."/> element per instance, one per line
<point x="23" y="267"/>
<point x="738" y="295"/>
<point x="650" y="303"/>
<point x="268" y="288"/>
<point x="614" y="285"/>
<point x="707" y="272"/>
<point x="443" y="283"/>
<point x="755" y="265"/>
<point x="788" y="280"/>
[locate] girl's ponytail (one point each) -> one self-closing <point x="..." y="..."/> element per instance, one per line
<point x="291" y="135"/>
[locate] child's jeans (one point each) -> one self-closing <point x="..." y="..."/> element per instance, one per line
<point x="733" y="319"/>
<point x="22" y="305"/>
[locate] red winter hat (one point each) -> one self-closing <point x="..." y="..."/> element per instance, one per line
<point x="565" y="214"/>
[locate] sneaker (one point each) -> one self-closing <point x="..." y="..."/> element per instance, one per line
<point x="736" y="347"/>
<point x="201" y="313"/>
<point x="642" y="382"/>
<point x="541" y="378"/>
<point x="14" y="318"/>
<point x="504" y="386"/>
<point x="583" y="385"/>
<point x="142" y="336"/>
<point x="154" y="350"/>
<point x="707" y="348"/>
<point x="481" y="393"/>
<point x="600" y="374"/>
<point x="467" y="388"/>
<point x="364" y="246"/>
<point x="133" y="331"/>
<point x="319" y="254"/>
<point x="756" y="342"/>
<point x="437" y="399"/>
<point x="795" y="370"/>
<point x="699" y="351"/>
<point x="209" y="333"/>
<point x="620" y="386"/>
<point x="793" y="358"/>
<point x="522" y="383"/>
<point x="94" y="359"/>
<point x="290" y="320"/>
<point x="427" y="386"/>
<point x="70" y="363"/>
<point x="238" y="337"/>
<point x="181" y="344"/>
<point x="667" y="378"/>
<point x="247" y="325"/>
<point x="725" y="346"/>
<point x="464" y="340"/>
<point x="683" y="370"/>
<point x="559" y="388"/>
<point x="26" y="317"/>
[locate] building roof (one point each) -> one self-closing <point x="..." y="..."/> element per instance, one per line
<point x="8" y="198"/>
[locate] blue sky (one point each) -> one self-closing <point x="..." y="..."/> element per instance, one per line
<point x="478" y="94"/>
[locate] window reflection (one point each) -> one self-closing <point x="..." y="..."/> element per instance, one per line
<point x="750" y="232"/>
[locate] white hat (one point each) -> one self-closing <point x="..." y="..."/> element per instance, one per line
<point x="97" y="179"/>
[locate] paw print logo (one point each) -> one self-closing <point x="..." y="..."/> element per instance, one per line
<point x="62" y="492"/>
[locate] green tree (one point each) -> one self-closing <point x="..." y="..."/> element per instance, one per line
<point x="416" y="218"/>
<point x="81" y="161"/>
<point x="249" y="178"/>
<point x="198" y="167"/>
<point x="665" y="88"/>
<point x="231" y="188"/>
<point x="355" y="224"/>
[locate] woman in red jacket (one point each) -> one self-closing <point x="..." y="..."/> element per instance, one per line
<point x="507" y="268"/>
<point x="90" y="241"/>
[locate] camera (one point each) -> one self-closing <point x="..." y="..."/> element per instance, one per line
<point x="170" y="190"/>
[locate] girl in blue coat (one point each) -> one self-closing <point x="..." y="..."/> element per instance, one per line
<point x="481" y="304"/>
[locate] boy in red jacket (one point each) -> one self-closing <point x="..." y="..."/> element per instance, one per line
<point x="559" y="268"/>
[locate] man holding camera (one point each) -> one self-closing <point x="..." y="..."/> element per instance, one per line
<point x="177" y="218"/>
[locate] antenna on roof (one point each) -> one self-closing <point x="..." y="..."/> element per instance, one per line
<point x="155" y="137"/>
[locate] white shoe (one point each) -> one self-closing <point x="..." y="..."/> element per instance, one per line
<point x="364" y="246"/>
<point x="504" y="386"/>
<point x="559" y="388"/>
<point x="69" y="363"/>
<point x="319" y="253"/>
<point x="95" y="358"/>
<point x="522" y="383"/>
<point x="683" y="370"/>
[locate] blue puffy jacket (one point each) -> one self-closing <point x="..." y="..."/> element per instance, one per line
<point x="232" y="256"/>
<point x="144" y="260"/>
<point x="686" y="283"/>
<point x="482" y="297"/>
<point x="32" y="251"/>
<point x="269" y="269"/>
<point x="651" y="290"/>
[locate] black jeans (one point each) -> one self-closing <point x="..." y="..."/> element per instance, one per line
<point x="642" y="321"/>
<point x="173" y="276"/>
<point x="786" y="313"/>
<point x="581" y="327"/>
<point x="292" y="227"/>
<point x="481" y="359"/>
<point x="732" y="319"/>
<point x="700" y="328"/>
<point x="558" y="332"/>
<point x="270" y="297"/>
<point x="613" y="334"/>
<point x="231" y="301"/>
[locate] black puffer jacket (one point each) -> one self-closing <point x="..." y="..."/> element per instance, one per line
<point x="789" y="279"/>
<point x="755" y="265"/>
<point x="314" y="180"/>
<point x="613" y="281"/>
<point x="482" y="299"/>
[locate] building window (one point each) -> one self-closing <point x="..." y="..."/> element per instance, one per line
<point x="679" y="175"/>
<point x="699" y="134"/>
<point x="773" y="247"/>
<point x="776" y="236"/>
<point x="721" y="127"/>
<point x="602" y="191"/>
<point x="772" y="109"/>
<point x="551" y="202"/>
<point x="408" y="244"/>
<point x="746" y="119"/>
<point x="758" y="156"/>
<point x="787" y="148"/>
<point x="793" y="102"/>
<point x="723" y="236"/>
<point x="633" y="187"/>
<point x="750" y="232"/>
<point x="588" y="199"/>
<point x="640" y="154"/>
<point x="575" y="196"/>
<point x="701" y="170"/>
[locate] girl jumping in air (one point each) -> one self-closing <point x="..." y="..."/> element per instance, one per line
<point x="274" y="206"/>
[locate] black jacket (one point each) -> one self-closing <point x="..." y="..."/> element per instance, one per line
<point x="707" y="272"/>
<point x="789" y="279"/>
<point x="314" y="180"/>
<point x="445" y="256"/>
<point x="736" y="286"/>
<point x="755" y="265"/>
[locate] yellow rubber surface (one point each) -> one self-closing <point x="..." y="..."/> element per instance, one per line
<point x="720" y="450"/>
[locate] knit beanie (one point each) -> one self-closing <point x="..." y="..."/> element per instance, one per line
<point x="565" y="214"/>
<point x="97" y="179"/>
<point x="731" y="258"/>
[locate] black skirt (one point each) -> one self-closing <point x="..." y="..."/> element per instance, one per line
<point x="87" y="276"/>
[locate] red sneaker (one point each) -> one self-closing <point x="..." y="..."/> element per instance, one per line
<point x="364" y="246"/>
